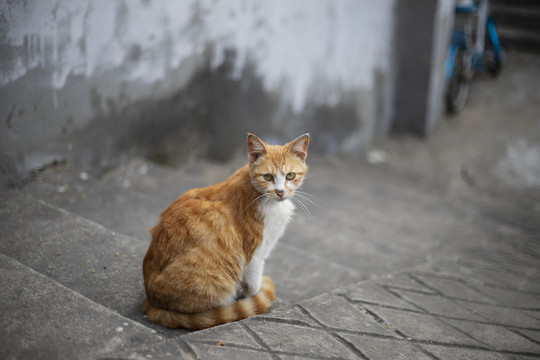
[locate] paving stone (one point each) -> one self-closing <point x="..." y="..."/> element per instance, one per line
<point x="474" y="276"/>
<point x="507" y="258"/>
<point x="81" y="255"/>
<point x="228" y="334"/>
<point x="209" y="352"/>
<point x="507" y="279"/>
<point x="299" y="275"/>
<point x="528" y="284"/>
<point x="165" y="349"/>
<point x="383" y="349"/>
<point x="282" y="311"/>
<point x="533" y="313"/>
<point x="531" y="285"/>
<point x="524" y="267"/>
<point x="492" y="278"/>
<point x="452" y="353"/>
<point x="422" y="327"/>
<point x="533" y="334"/>
<point x="454" y="269"/>
<point x="370" y="292"/>
<point x="512" y="298"/>
<point x="402" y="281"/>
<point x="435" y="304"/>
<point x="299" y="340"/>
<point x="304" y="357"/>
<point x="453" y="288"/>
<point x="497" y="337"/>
<point x="336" y="312"/>
<point x="42" y="319"/>
<point x="502" y="315"/>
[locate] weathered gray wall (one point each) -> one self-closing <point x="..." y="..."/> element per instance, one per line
<point x="422" y="36"/>
<point x="92" y="81"/>
<point x="170" y="79"/>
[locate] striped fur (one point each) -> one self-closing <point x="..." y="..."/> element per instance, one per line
<point x="210" y="244"/>
<point x="238" y="310"/>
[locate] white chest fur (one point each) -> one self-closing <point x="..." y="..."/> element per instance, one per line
<point x="276" y="217"/>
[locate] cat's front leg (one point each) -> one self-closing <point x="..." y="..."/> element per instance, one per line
<point x="252" y="277"/>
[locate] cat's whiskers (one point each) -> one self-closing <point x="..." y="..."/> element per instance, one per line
<point x="263" y="196"/>
<point x="264" y="202"/>
<point x="302" y="205"/>
<point x="300" y="198"/>
<point x="307" y="197"/>
<point x="298" y="191"/>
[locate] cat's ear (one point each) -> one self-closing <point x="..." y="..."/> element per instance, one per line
<point x="299" y="146"/>
<point x="256" y="147"/>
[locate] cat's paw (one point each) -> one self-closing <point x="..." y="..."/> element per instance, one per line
<point x="250" y="291"/>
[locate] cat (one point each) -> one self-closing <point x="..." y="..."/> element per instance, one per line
<point x="205" y="262"/>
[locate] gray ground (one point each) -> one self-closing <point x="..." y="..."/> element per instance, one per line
<point x="426" y="248"/>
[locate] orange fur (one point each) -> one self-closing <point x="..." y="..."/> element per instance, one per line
<point x="193" y="269"/>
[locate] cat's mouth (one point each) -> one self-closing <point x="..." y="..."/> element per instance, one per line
<point x="281" y="198"/>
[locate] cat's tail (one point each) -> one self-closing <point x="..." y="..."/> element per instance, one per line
<point x="238" y="310"/>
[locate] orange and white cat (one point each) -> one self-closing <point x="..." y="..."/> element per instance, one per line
<point x="209" y="247"/>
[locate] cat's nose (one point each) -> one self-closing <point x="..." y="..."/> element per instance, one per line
<point x="280" y="192"/>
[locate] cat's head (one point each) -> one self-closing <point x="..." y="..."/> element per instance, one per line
<point x="277" y="171"/>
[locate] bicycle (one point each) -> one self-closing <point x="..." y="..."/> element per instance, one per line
<point x="474" y="47"/>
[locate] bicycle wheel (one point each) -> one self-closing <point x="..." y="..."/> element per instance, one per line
<point x="458" y="85"/>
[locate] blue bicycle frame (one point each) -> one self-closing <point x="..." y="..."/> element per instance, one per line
<point x="493" y="37"/>
<point x="467" y="50"/>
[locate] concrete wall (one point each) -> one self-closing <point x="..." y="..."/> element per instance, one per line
<point x="92" y="81"/>
<point x="422" y="38"/>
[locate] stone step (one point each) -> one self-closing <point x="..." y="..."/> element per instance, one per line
<point x="519" y="39"/>
<point x="367" y="220"/>
<point x="117" y="206"/>
<point x="515" y="3"/>
<point x="94" y="261"/>
<point x="525" y="18"/>
<point x="43" y="319"/>
<point x="518" y="23"/>
<point x="82" y="260"/>
<point x="133" y="209"/>
<point x="345" y="222"/>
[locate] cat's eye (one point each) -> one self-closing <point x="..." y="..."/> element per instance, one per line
<point x="268" y="177"/>
<point x="290" y="176"/>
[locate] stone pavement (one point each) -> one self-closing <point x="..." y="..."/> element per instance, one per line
<point x="65" y="297"/>
<point x="73" y="289"/>
<point x="428" y="255"/>
<point x="484" y="305"/>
